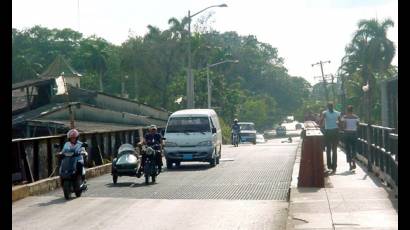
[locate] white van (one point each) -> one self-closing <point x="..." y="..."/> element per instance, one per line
<point x="193" y="135"/>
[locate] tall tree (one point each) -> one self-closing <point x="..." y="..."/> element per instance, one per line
<point x="369" y="56"/>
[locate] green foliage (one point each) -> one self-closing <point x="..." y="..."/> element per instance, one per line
<point x="368" y="59"/>
<point x="226" y="131"/>
<point x="257" y="89"/>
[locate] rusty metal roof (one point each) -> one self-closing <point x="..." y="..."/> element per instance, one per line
<point x="84" y="126"/>
<point x="32" y="82"/>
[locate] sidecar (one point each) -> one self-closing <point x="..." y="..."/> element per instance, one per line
<point x="126" y="163"/>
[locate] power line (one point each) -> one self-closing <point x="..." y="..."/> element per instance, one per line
<point x="323" y="77"/>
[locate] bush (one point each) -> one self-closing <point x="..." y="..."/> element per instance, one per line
<point x="226" y="131"/>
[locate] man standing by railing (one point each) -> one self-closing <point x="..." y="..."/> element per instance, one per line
<point x="350" y="124"/>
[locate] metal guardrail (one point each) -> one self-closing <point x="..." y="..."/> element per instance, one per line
<point x="34" y="159"/>
<point x="383" y="155"/>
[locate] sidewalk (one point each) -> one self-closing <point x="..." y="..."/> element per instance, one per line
<point x="350" y="200"/>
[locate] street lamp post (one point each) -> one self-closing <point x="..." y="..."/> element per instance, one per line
<point x="365" y="89"/>
<point x="208" y="80"/>
<point x="190" y="80"/>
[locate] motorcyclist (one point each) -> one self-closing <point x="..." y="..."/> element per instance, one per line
<point x="235" y="128"/>
<point x="74" y="145"/>
<point x="150" y="139"/>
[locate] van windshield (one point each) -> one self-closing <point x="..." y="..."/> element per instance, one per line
<point x="188" y="124"/>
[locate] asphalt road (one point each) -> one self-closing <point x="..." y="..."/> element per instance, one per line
<point x="247" y="190"/>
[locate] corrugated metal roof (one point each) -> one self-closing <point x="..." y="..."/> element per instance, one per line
<point x="58" y="66"/>
<point x="86" y="126"/>
<point x="33" y="82"/>
<point x="37" y="112"/>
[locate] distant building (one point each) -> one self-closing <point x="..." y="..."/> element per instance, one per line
<point x="37" y="110"/>
<point x="60" y="67"/>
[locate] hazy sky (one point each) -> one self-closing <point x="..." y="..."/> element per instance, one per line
<point x="304" y="31"/>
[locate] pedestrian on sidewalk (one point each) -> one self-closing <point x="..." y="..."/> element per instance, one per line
<point x="350" y="124"/>
<point x="331" y="120"/>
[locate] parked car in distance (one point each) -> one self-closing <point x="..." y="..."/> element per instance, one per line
<point x="260" y="138"/>
<point x="281" y="131"/>
<point x="247" y="132"/>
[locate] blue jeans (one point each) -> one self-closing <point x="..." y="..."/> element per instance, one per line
<point x="350" y="145"/>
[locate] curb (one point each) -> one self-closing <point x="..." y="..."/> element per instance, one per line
<point x="50" y="184"/>
<point x="294" y="182"/>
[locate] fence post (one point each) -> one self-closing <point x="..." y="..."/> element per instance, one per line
<point x="369" y="148"/>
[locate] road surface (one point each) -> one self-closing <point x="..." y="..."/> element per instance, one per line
<point x="247" y="190"/>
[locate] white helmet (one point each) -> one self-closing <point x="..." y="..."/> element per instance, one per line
<point x="73" y="133"/>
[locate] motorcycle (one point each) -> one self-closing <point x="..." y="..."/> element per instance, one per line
<point x="235" y="139"/>
<point x="151" y="168"/>
<point x="71" y="172"/>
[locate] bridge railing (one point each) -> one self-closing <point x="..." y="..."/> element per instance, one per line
<point x="34" y="159"/>
<point x="383" y="156"/>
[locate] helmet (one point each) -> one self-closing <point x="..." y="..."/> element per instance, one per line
<point x="73" y="133"/>
<point x="235" y="120"/>
<point x="153" y="127"/>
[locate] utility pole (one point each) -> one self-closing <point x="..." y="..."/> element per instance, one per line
<point x="190" y="79"/>
<point x="333" y="86"/>
<point x="323" y="77"/>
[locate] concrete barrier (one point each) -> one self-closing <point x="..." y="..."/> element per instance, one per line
<point x="50" y="184"/>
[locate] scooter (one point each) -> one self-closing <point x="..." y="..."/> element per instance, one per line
<point x="235" y="139"/>
<point x="71" y="173"/>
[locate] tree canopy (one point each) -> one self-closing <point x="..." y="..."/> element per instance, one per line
<point x="258" y="88"/>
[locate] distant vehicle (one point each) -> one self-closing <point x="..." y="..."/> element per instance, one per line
<point x="193" y="135"/>
<point x="298" y="126"/>
<point x="260" y="138"/>
<point x="247" y="132"/>
<point x="281" y="131"/>
<point x="290" y="118"/>
<point x="269" y="134"/>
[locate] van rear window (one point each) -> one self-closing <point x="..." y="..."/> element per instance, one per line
<point x="188" y="124"/>
<point x="247" y="126"/>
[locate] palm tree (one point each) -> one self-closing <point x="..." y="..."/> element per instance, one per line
<point x="96" y="54"/>
<point x="370" y="53"/>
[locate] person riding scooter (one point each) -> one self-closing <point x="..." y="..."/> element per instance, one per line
<point x="76" y="146"/>
<point x="152" y="139"/>
<point x="235" y="129"/>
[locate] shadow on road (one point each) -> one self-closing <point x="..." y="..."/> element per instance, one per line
<point x="346" y="173"/>
<point x="60" y="200"/>
<point x="191" y="167"/>
<point x="128" y="184"/>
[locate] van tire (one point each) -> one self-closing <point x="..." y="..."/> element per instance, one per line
<point x="218" y="157"/>
<point x="213" y="160"/>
